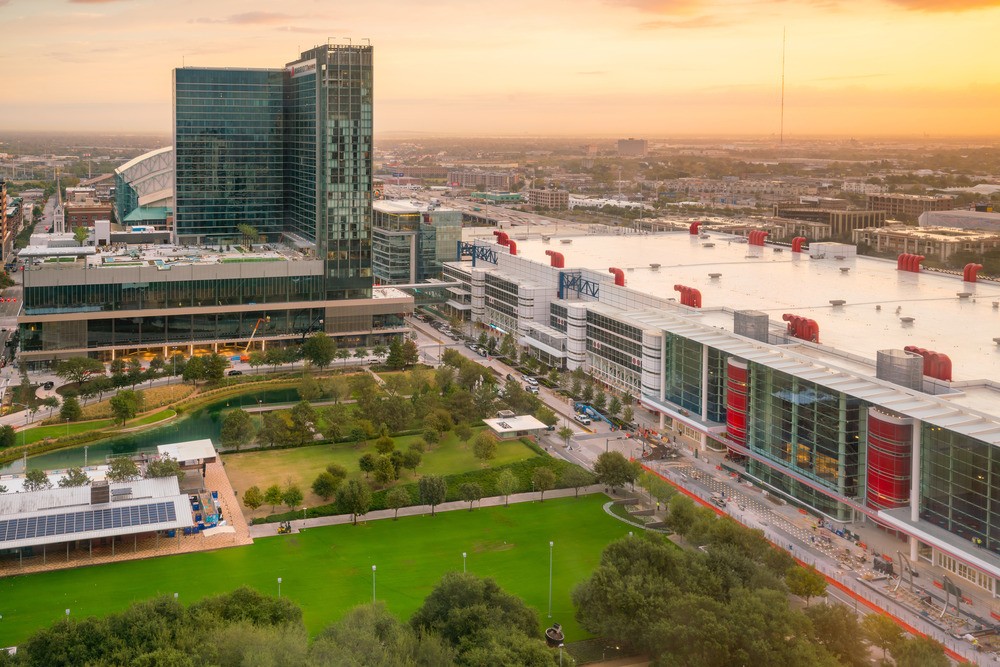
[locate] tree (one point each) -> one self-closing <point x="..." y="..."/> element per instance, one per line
<point x="292" y="496"/>
<point x="36" y="480"/>
<point x="156" y="364"/>
<point x="215" y="367"/>
<point x="433" y="491"/>
<point x="411" y="354"/>
<point x="395" y="360"/>
<point x="614" y="407"/>
<point x="165" y="467"/>
<point x="70" y="410"/>
<point x="355" y="499"/>
<point x="506" y="484"/>
<point x="543" y="479"/>
<point x="325" y="485"/>
<point x="397" y="498"/>
<point x="380" y="351"/>
<point x="484" y="446"/>
<point x="253" y="498"/>
<point x="343" y="354"/>
<point x="882" y="631"/>
<point x="385" y="444"/>
<point x="463" y="432"/>
<point x="74" y="477"/>
<point x="319" y="349"/>
<point x="133" y="372"/>
<point x="412" y="459"/>
<point x="836" y="627"/>
<point x="80" y="234"/>
<point x="7" y="436"/>
<point x="126" y="404"/>
<point x="257" y="359"/>
<point x="194" y="370"/>
<point x="237" y="428"/>
<point x="338" y="471"/>
<point x="78" y="369"/>
<point x="576" y="477"/>
<point x="470" y="492"/>
<point x="51" y="402"/>
<point x="464" y="609"/>
<point x="361" y="353"/>
<point x="565" y="433"/>
<point x="367" y="463"/>
<point x="600" y="400"/>
<point x="546" y="415"/>
<point x="272" y="429"/>
<point x="122" y="469"/>
<point x="303" y="419"/>
<point x="805" y="582"/>
<point x="920" y="652"/>
<point x="272" y="496"/>
<point x="628" y="415"/>
<point x="612" y="469"/>
<point x="385" y="471"/>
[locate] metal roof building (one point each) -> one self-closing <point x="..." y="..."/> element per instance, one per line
<point x="61" y="515"/>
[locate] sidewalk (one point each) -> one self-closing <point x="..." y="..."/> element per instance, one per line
<point x="269" y="529"/>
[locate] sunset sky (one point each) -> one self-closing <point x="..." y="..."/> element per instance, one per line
<point x="538" y="67"/>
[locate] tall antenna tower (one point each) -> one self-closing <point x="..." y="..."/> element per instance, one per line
<point x="782" y="135"/>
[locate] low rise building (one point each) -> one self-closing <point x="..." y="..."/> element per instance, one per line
<point x="549" y="199"/>
<point x="412" y="239"/>
<point x="986" y="221"/>
<point x="908" y="207"/>
<point x="938" y="243"/>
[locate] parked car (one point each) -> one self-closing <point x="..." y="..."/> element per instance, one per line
<point x="49" y="385"/>
<point x="509" y="376"/>
<point x="583" y="419"/>
<point x="235" y="372"/>
<point x="530" y="380"/>
<point x="532" y="389"/>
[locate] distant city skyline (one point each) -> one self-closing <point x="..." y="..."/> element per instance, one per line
<point x="557" y="67"/>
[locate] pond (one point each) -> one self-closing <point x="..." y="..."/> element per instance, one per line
<point x="205" y="422"/>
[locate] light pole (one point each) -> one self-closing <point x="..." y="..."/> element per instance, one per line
<point x="550" y="578"/>
<point x="67" y="426"/>
<point x="304" y="515"/>
<point x="463" y="562"/>
<point x="373" y="584"/>
<point x="279" y="588"/>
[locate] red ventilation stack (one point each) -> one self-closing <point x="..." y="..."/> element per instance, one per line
<point x="502" y="237"/>
<point x="970" y="272"/>
<point x="757" y="237"/>
<point x="512" y="246"/>
<point x="693" y="229"/>
<point x="557" y="260"/>
<point x="689" y="296"/>
<point x="802" y="327"/>
<point x="936" y="364"/>
<point x="619" y="276"/>
<point x="797" y="243"/>
<point x="909" y="262"/>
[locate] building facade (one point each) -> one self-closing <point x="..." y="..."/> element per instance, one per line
<point x="633" y="147"/>
<point x="908" y="207"/>
<point x="938" y="243"/>
<point x="550" y="199"/>
<point x="490" y="180"/>
<point x="843" y="422"/>
<point x="411" y="240"/>
<point x="841" y="222"/>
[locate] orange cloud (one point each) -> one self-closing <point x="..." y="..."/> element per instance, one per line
<point x="945" y="5"/>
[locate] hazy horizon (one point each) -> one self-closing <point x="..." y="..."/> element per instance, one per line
<point x="907" y="69"/>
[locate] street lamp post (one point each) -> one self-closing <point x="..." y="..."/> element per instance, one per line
<point x="463" y="562"/>
<point x="304" y="515"/>
<point x="550" y="578"/>
<point x="373" y="584"/>
<point x="279" y="588"/>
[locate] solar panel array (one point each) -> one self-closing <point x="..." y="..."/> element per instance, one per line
<point x="81" y="522"/>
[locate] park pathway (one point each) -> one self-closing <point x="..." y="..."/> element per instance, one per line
<point x="269" y="529"/>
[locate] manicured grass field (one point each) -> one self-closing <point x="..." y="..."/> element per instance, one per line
<point x="328" y="570"/>
<point x="58" y="430"/>
<point x="301" y="465"/>
<point x="152" y="418"/>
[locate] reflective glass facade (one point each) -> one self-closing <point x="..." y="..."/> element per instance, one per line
<point x="960" y="485"/>
<point x="229" y="151"/>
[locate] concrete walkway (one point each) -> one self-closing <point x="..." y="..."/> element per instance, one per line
<point x="269" y="529"/>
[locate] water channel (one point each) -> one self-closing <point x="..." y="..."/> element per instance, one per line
<point x="205" y="422"/>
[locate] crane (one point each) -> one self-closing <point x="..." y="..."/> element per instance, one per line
<point x="265" y="320"/>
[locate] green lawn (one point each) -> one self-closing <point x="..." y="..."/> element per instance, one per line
<point x="57" y="430"/>
<point x="152" y="418"/>
<point x="301" y="465"/>
<point x="329" y="570"/>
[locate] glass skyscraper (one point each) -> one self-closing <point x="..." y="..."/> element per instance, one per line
<point x="287" y="151"/>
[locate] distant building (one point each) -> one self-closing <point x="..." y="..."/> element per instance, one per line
<point x="863" y="188"/>
<point x="983" y="220"/>
<point x="145" y="180"/>
<point x="633" y="147"/>
<point x="411" y="240"/>
<point x="83" y="213"/>
<point x="841" y="223"/>
<point x="938" y="243"/>
<point x="491" y="180"/>
<point x="909" y="207"/>
<point x="552" y="199"/>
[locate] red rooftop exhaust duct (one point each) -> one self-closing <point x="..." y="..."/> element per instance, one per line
<point x="619" y="276"/>
<point x="513" y="247"/>
<point x="689" y="296"/>
<point x="971" y="271"/>
<point x="797" y="243"/>
<point x="693" y="229"/>
<point x="802" y="327"/>
<point x="936" y="364"/>
<point x="557" y="260"/>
